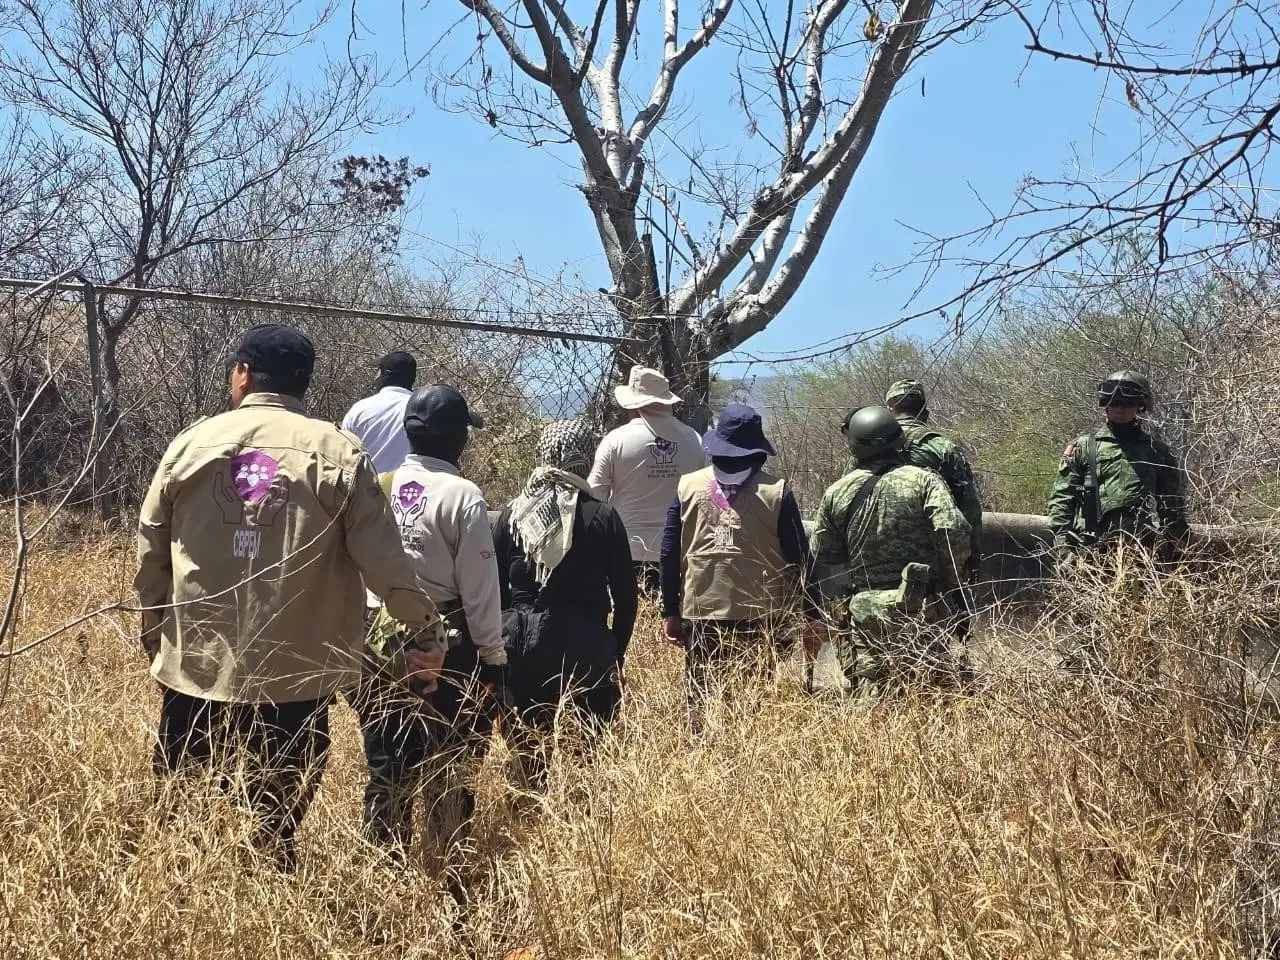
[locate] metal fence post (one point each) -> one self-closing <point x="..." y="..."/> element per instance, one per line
<point x="98" y="447"/>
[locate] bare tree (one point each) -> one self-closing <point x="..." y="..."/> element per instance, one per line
<point x="203" y="137"/>
<point x="737" y="229"/>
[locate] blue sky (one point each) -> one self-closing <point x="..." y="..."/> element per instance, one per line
<point x="987" y="118"/>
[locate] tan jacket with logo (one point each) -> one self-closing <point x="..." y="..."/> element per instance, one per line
<point x="252" y="542"/>
<point x="732" y="557"/>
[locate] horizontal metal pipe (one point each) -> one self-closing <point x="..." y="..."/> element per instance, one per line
<point x="312" y="309"/>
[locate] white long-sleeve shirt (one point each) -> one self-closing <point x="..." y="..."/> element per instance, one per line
<point x="444" y="526"/>
<point x="636" y="471"/>
<point x="379" y="423"/>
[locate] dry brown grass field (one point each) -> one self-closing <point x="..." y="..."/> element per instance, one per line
<point x="1049" y="816"/>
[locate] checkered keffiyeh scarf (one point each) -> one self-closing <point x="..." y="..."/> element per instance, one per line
<point x="542" y="514"/>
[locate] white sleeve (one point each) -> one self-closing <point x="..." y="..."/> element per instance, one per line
<point x="349" y="421"/>
<point x="475" y="568"/>
<point x="601" y="477"/>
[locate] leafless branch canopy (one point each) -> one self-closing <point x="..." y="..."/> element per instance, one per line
<point x="741" y="224"/>
<point x="203" y="136"/>
<point x="1202" y="84"/>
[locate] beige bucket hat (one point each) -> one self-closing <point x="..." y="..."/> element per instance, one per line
<point x="643" y="387"/>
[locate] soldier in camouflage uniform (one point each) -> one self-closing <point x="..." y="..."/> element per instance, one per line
<point x="1116" y="487"/>
<point x="1119" y="479"/>
<point x="926" y="447"/>
<point x="905" y="542"/>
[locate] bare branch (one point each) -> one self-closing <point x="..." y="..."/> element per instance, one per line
<point x="848" y="143"/>
<point x="497" y="23"/>
<point x="675" y="57"/>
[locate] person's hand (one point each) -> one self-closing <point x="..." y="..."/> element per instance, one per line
<point x="423" y="667"/>
<point x="434" y="634"/>
<point x="673" y="630"/>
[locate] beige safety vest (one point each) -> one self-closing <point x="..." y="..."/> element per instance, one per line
<point x="731" y="556"/>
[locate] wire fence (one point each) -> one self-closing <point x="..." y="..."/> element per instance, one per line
<point x="66" y="365"/>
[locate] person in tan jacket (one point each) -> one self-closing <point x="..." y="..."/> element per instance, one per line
<point x="253" y="540"/>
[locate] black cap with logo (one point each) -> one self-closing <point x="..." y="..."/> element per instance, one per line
<point x="276" y="350"/>
<point x="439" y="409"/>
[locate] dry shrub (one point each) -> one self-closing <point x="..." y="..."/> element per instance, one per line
<point x="1118" y="814"/>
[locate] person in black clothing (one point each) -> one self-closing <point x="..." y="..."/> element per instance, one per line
<point x="564" y="562"/>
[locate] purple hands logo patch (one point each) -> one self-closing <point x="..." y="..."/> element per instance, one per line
<point x="252" y="473"/>
<point x="409" y="494"/>
<point x="663" y="450"/>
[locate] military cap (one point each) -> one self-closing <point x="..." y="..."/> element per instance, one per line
<point x="902" y="389"/>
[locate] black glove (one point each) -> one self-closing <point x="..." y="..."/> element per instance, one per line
<point x="493" y="677"/>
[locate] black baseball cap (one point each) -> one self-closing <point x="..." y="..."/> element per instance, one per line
<point x="399" y="363"/>
<point x="439" y="409"/>
<point x="276" y="350"/>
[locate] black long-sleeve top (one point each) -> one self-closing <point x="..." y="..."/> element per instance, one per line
<point x="791" y="538"/>
<point x="595" y="576"/>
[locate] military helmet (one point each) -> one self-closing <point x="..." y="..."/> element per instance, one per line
<point x="1125" y="386"/>
<point x="872" y="431"/>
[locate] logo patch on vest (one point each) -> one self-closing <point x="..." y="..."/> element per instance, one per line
<point x="722" y="518"/>
<point x="255" y="495"/>
<point x="407" y="503"/>
<point x="409" y="494"/>
<point x="722" y="538"/>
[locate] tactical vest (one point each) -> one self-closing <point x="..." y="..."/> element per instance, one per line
<point x="733" y="564"/>
<point x="1101" y="514"/>
<point x="917" y="433"/>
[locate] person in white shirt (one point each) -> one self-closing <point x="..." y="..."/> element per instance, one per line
<point x="444" y="528"/>
<point x="378" y="420"/>
<point x="638" y="465"/>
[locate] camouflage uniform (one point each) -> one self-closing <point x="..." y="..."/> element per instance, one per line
<point x="1139" y="497"/>
<point x="926" y="447"/>
<point x="1139" y="484"/>
<point x="908" y="522"/>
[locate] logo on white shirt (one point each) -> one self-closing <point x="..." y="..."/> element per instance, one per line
<point x="663" y="451"/>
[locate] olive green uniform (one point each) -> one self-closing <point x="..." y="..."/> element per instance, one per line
<point x="908" y="526"/>
<point x="1118" y="479"/>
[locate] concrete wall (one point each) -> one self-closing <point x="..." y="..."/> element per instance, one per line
<point x="1015" y="551"/>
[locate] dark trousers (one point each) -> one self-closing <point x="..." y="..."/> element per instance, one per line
<point x="283" y="748"/>
<point x="426" y="748"/>
<point x="716" y="650"/>
<point x="574" y="666"/>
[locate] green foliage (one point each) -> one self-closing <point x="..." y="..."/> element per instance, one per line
<point x="1014" y="472"/>
<point x="862" y="376"/>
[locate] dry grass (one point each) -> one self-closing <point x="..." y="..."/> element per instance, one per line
<point x="1049" y="817"/>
